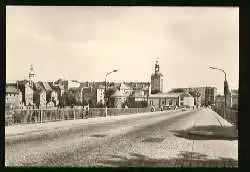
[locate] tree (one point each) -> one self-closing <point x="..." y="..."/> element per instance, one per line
<point x="109" y="92"/>
<point x="69" y="98"/>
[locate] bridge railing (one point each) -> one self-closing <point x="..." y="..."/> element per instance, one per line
<point x="24" y="116"/>
<point x="229" y="114"/>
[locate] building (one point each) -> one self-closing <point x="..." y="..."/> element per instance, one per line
<point x="71" y="84"/>
<point x="126" y="89"/>
<point x="234" y="98"/>
<point x="27" y="93"/>
<point x="139" y="95"/>
<point x="59" y="89"/>
<point x="118" y="99"/>
<point x="31" y="76"/>
<point x="51" y="95"/>
<point x="186" y="100"/>
<point x="210" y="94"/>
<point x="156" y="80"/>
<point x="100" y="94"/>
<point x="164" y="99"/>
<point x="206" y="95"/>
<point x="39" y="96"/>
<point x="13" y="96"/>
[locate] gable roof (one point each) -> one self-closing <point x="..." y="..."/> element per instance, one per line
<point x="46" y="86"/>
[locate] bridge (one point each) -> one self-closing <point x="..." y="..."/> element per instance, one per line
<point x="175" y="138"/>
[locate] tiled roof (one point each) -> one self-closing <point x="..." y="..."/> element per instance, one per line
<point x="11" y="89"/>
<point x="46" y="86"/>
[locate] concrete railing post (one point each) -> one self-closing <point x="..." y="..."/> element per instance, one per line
<point x="106" y="111"/>
<point x="41" y="118"/>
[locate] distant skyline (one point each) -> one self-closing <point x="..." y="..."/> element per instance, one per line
<point x="84" y="43"/>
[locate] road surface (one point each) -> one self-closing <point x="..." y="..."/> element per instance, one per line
<point x="149" y="140"/>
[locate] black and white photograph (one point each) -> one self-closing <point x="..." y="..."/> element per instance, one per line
<point x="121" y="86"/>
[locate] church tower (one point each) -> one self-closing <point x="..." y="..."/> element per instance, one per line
<point x="31" y="76"/>
<point x="156" y="80"/>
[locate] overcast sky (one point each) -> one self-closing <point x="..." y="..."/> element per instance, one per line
<point x="84" y="43"/>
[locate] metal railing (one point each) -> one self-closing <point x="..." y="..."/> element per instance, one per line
<point x="228" y="114"/>
<point x="25" y="116"/>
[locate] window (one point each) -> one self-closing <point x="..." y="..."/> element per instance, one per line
<point x="163" y="102"/>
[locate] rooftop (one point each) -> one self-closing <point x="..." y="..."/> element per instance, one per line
<point x="11" y="89"/>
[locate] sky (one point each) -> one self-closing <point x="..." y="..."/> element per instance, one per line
<point x="84" y="43"/>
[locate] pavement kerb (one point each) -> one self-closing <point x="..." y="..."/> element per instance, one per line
<point x="210" y="133"/>
<point x="84" y="122"/>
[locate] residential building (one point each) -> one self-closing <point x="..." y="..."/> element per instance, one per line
<point x="156" y="80"/>
<point x="71" y="84"/>
<point x="206" y="94"/>
<point x="100" y="94"/>
<point x="27" y="93"/>
<point x="51" y="95"/>
<point x="139" y="96"/>
<point x="39" y="95"/>
<point x="186" y="100"/>
<point x="13" y="96"/>
<point x="125" y="89"/>
<point x="59" y="89"/>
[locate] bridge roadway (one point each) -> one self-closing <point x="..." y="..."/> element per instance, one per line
<point x="150" y="139"/>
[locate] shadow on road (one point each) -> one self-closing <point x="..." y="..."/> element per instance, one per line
<point x="211" y="132"/>
<point x="184" y="159"/>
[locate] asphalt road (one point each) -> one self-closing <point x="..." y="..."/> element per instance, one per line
<point x="137" y="141"/>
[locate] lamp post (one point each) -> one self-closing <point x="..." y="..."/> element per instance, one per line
<point x="105" y="89"/>
<point x="225" y="81"/>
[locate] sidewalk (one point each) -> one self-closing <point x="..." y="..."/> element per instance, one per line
<point x="22" y="129"/>
<point x="209" y="123"/>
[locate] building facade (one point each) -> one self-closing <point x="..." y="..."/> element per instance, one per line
<point x="13" y="96"/>
<point x="39" y="95"/>
<point x="164" y="99"/>
<point x="100" y="95"/>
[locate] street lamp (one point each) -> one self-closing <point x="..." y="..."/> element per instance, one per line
<point x="105" y="98"/>
<point x="225" y="82"/>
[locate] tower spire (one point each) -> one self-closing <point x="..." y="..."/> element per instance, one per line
<point x="31" y="75"/>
